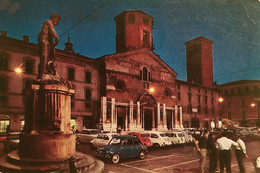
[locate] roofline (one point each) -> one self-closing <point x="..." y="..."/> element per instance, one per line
<point x="240" y="82"/>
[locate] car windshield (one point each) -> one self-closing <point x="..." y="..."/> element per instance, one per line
<point x="180" y="135"/>
<point x="163" y="135"/>
<point x="115" y="141"/>
<point x="144" y="135"/>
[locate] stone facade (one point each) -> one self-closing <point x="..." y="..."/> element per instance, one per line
<point x="241" y="102"/>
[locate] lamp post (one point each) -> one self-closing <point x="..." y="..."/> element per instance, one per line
<point x="220" y="100"/>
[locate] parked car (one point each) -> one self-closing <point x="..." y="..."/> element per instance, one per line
<point x="144" y="138"/>
<point x="159" y="139"/>
<point x="180" y="137"/>
<point x="101" y="140"/>
<point x="122" y="147"/>
<point x="187" y="136"/>
<point x="12" y="141"/>
<point x="86" y="135"/>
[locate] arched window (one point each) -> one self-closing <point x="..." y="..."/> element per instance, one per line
<point x="145" y="74"/>
<point x="71" y="73"/>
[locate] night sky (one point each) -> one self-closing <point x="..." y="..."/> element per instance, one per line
<point x="232" y="25"/>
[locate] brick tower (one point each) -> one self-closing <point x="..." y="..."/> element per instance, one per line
<point x="200" y="61"/>
<point x="133" y="31"/>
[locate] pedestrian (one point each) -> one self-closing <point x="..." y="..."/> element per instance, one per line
<point x="224" y="145"/>
<point x="240" y="151"/>
<point x="201" y="146"/>
<point x="213" y="154"/>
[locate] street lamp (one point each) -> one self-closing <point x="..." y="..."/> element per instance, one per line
<point x="252" y="105"/>
<point x="18" y="70"/>
<point x="220" y="99"/>
<point x="151" y="90"/>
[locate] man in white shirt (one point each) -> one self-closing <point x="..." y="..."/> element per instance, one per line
<point x="240" y="153"/>
<point x="224" y="145"/>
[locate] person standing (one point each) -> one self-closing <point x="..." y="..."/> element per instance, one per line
<point x="224" y="145"/>
<point x="201" y="146"/>
<point x="240" y="153"/>
<point x="212" y="150"/>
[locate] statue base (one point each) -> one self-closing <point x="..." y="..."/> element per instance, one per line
<point x="12" y="162"/>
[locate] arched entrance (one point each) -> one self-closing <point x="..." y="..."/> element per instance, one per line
<point x="148" y="105"/>
<point x="148" y="119"/>
<point x="195" y="122"/>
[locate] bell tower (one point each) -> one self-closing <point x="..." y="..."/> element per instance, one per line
<point x="133" y="31"/>
<point x="199" y="61"/>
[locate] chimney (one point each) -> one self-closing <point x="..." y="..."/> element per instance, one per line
<point x="3" y="33"/>
<point x="25" y="38"/>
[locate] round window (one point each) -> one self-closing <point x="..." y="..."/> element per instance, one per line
<point x="167" y="92"/>
<point x="120" y="85"/>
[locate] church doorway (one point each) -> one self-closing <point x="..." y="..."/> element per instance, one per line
<point x="148" y="119"/>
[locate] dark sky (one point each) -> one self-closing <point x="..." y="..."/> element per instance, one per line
<point x="232" y="25"/>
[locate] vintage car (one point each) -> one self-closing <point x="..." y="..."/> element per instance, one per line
<point x="101" y="140"/>
<point x="159" y="139"/>
<point x="144" y="138"/>
<point x="86" y="135"/>
<point x="122" y="147"/>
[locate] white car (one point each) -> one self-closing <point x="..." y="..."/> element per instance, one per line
<point x="159" y="139"/>
<point x="180" y="137"/>
<point x="102" y="140"/>
<point x="86" y="135"/>
<point x="188" y="137"/>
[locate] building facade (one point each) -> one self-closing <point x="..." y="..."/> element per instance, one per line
<point x="132" y="90"/>
<point x="241" y="103"/>
<point x="80" y="70"/>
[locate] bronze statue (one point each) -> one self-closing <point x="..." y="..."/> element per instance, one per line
<point x="48" y="40"/>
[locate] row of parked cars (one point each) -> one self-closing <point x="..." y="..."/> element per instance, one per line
<point x="114" y="146"/>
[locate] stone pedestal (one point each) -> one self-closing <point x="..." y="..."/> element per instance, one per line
<point x="47" y="143"/>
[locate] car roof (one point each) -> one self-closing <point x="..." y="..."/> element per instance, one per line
<point x="125" y="137"/>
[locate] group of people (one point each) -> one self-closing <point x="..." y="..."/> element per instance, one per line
<point x="220" y="149"/>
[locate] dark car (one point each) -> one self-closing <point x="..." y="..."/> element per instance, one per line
<point x="122" y="147"/>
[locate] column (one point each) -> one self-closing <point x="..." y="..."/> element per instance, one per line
<point x="131" y="114"/>
<point x="176" y="115"/>
<point x="164" y="117"/>
<point x="181" y="125"/>
<point x="113" y="126"/>
<point x="158" y="116"/>
<point x="138" y="113"/>
<point x="172" y="119"/>
<point x="104" y="109"/>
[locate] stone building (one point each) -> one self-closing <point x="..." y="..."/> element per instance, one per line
<point x="241" y="102"/>
<point x="133" y="89"/>
<point x="199" y="95"/>
<point x="80" y="70"/>
<point x="138" y="88"/>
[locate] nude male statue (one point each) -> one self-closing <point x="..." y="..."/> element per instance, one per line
<point x="48" y="40"/>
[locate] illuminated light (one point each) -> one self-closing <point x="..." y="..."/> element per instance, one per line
<point x="220" y="99"/>
<point x="252" y="104"/>
<point x="18" y="70"/>
<point x="151" y="90"/>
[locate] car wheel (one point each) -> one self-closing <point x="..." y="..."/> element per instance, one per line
<point x="156" y="145"/>
<point x="142" y="155"/>
<point x="115" y="158"/>
<point x="92" y="146"/>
